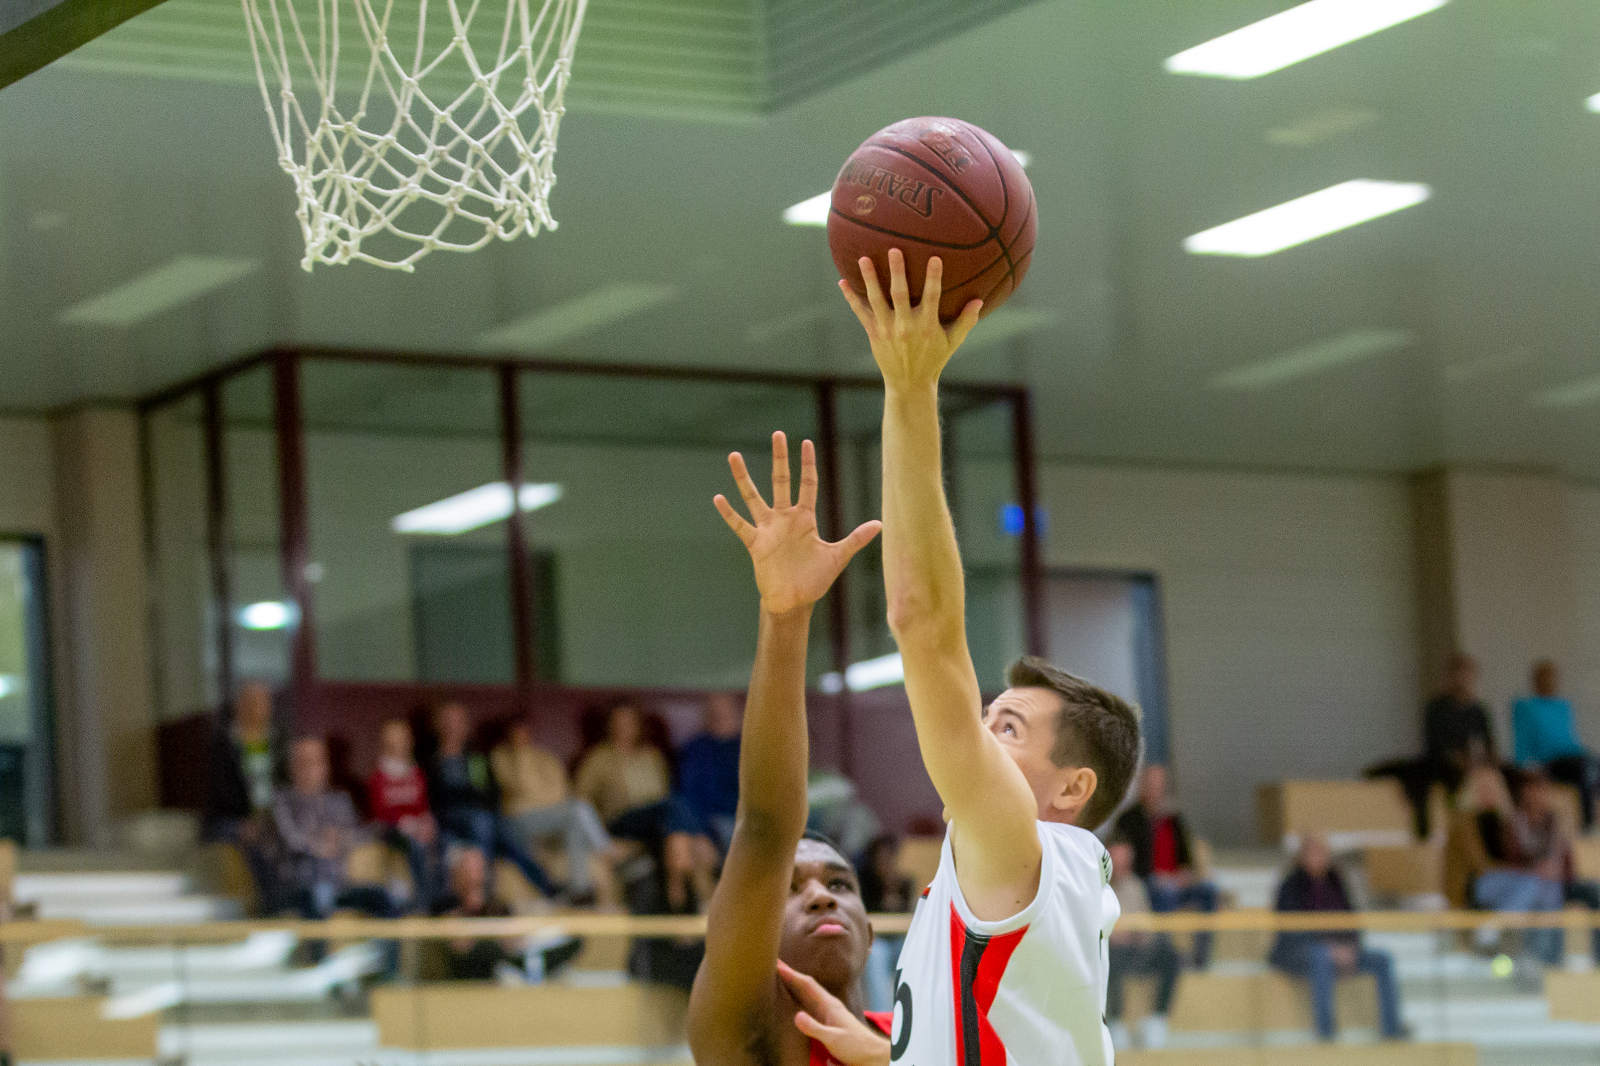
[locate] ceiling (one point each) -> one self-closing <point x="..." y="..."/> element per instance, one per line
<point x="1476" y="315"/>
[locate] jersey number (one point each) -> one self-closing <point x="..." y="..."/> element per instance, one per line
<point x="902" y="1002"/>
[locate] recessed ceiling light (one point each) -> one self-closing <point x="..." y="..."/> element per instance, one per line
<point x="185" y="278"/>
<point x="814" y="210"/>
<point x="1304" y="219"/>
<point x="1593" y="103"/>
<point x="267" y="615"/>
<point x="1298" y="33"/>
<point x="1349" y="347"/>
<point x="9" y="684"/>
<point x="476" y="507"/>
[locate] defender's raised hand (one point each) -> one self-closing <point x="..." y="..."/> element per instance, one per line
<point x="823" y="1017"/>
<point x="794" y="566"/>
<point x="910" y="344"/>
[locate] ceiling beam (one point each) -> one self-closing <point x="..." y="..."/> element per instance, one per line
<point x="36" y="33"/>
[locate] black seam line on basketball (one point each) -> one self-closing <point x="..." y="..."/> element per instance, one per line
<point x="1005" y="192"/>
<point x="994" y="231"/>
<point x="909" y="237"/>
<point x="970" y="278"/>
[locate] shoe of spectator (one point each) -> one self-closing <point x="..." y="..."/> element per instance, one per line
<point x="509" y="975"/>
<point x="1153" y="1032"/>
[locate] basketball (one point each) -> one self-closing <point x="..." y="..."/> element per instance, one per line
<point x="936" y="186"/>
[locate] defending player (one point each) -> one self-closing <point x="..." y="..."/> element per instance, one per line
<point x="782" y="896"/>
<point x="1005" y="961"/>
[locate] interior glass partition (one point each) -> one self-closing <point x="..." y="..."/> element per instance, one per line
<point x="261" y="612"/>
<point x="187" y="655"/>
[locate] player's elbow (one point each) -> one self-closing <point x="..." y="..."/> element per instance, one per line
<point x="922" y="617"/>
<point x="771" y="830"/>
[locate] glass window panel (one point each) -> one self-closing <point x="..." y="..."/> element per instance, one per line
<point x="262" y="616"/>
<point x="186" y="653"/>
<point x="643" y="583"/>
<point x="382" y="441"/>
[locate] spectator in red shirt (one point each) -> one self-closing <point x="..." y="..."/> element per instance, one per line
<point x="1162" y="856"/>
<point x="398" y="795"/>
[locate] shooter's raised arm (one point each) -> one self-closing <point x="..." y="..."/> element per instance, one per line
<point x="735" y="988"/>
<point x="991" y="807"/>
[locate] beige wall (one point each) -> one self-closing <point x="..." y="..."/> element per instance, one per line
<point x="1583" y="673"/>
<point x="27" y="480"/>
<point x="1289" y="617"/>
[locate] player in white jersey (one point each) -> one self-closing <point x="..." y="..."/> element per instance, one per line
<point x="1006" y="958"/>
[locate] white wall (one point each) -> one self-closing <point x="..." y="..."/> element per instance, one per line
<point x="27" y="480"/>
<point x="1289" y="611"/>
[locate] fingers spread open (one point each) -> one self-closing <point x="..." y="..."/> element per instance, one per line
<point x="860" y="537"/>
<point x="747" y="488"/>
<point x="811" y="1027"/>
<point x="808" y="476"/>
<point x="863" y="313"/>
<point x="932" y="287"/>
<point x="899" y="291"/>
<point x="805" y="988"/>
<point x="780" y="470"/>
<point x="744" y="530"/>
<point x="875" y="297"/>
<point x="962" y="326"/>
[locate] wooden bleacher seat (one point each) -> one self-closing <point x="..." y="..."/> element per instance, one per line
<point x="1354" y="814"/>
<point x="72" y="1029"/>
<point x="1263" y="1002"/>
<point x="8" y="874"/>
<point x="470" y="1015"/>
<point x="1574" y="997"/>
<point x="1404" y="871"/>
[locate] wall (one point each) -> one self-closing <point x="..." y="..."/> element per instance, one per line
<point x="27" y="482"/>
<point x="1289" y="617"/>
<point x="1583" y="674"/>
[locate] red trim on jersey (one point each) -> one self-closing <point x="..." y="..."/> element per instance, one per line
<point x="987" y="957"/>
<point x="820" y="1056"/>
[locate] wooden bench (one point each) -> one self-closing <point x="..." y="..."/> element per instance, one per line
<point x="71" y="1028"/>
<point x="1354" y="814"/>
<point x="470" y="1015"/>
<point x="1262" y="1002"/>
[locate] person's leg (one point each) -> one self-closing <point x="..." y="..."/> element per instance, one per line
<point x="1323" y="976"/>
<point x="1576" y="770"/>
<point x="1163" y="894"/>
<point x="1550" y="944"/>
<point x="534" y="825"/>
<point x="505" y="843"/>
<point x="416" y="861"/>
<point x="1381" y="966"/>
<point x="1588" y="894"/>
<point x="372" y="900"/>
<point x="1121" y="963"/>
<point x="1165" y="964"/>
<point x="589" y="819"/>
<point x="1200" y="896"/>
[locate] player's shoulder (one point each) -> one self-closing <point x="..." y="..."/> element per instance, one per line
<point x="1078" y="855"/>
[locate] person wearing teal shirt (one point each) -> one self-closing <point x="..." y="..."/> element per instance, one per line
<point x="1545" y="733"/>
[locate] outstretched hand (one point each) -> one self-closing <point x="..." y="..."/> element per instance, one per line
<point x="825" y="1019"/>
<point x="910" y="345"/>
<point x="794" y="566"/>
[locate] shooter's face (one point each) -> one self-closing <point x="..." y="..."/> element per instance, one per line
<point x="825" y="929"/>
<point x="1024" y="720"/>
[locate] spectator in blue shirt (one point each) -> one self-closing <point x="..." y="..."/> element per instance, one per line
<point x="1545" y="734"/>
<point x="708" y="770"/>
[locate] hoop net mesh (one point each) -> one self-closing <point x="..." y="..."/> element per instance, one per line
<point x="449" y="142"/>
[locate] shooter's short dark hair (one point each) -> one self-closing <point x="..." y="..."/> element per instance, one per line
<point x="1094" y="728"/>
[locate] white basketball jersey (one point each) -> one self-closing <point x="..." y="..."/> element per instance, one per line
<point x="1029" y="990"/>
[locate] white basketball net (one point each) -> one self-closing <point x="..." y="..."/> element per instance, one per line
<point x="454" y="170"/>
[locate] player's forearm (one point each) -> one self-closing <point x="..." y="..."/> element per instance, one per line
<point x="774" y="751"/>
<point x="921" y="561"/>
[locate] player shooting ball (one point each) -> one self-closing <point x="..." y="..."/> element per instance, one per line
<point x="1005" y="960"/>
<point x="783" y="897"/>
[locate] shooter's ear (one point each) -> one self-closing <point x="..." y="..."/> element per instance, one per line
<point x="1075" y="786"/>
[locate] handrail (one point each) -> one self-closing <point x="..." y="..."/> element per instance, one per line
<point x="592" y="924"/>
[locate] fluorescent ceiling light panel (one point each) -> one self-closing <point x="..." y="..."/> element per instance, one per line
<point x="1298" y="33"/>
<point x="1351" y="347"/>
<point x="1577" y="394"/>
<point x="186" y="278"/>
<point x="267" y="615"/>
<point x="1593" y="103"/>
<point x="476" y="507"/>
<point x="814" y="211"/>
<point x="551" y="326"/>
<point x="875" y="673"/>
<point x="9" y="683"/>
<point x="1305" y="219"/>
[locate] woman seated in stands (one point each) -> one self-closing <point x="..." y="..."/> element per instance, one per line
<point x="1525" y="863"/>
<point x="1163" y="855"/>
<point x="509" y="960"/>
<point x="397" y="795"/>
<point x="626" y="779"/>
<point x="536" y="798"/>
<point x="466" y="801"/>
<point x="1323" y="957"/>
<point x="246" y="768"/>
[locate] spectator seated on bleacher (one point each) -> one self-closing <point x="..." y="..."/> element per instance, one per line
<point x="1137" y="955"/>
<point x="1545" y="734"/>
<point x="708" y="771"/>
<point x="1313" y="884"/>
<point x="1521" y="854"/>
<point x="1163" y="855"/>
<point x="247" y="765"/>
<point x="1455" y="738"/>
<point x="536" y="799"/>
<point x="397" y="795"/>
<point x="465" y="798"/>
<point x="508" y="960"/>
<point x="626" y="778"/>
<point x="316" y="829"/>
